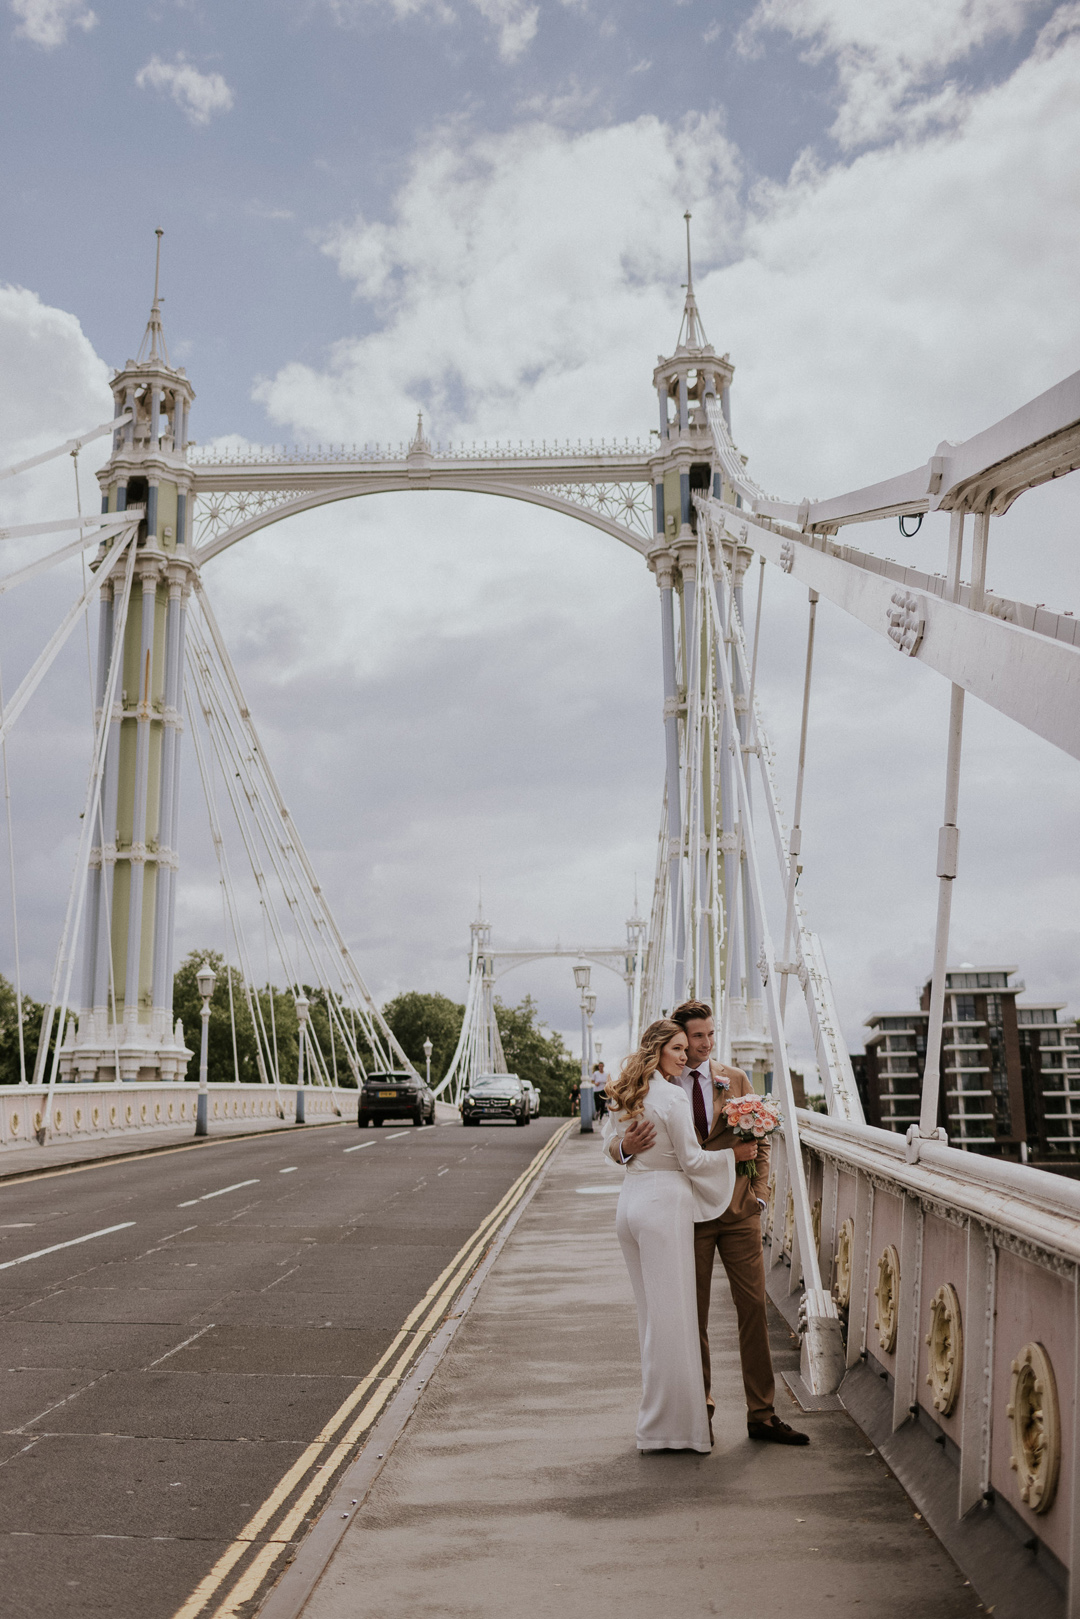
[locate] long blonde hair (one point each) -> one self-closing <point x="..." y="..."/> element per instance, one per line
<point x="628" y="1091"/>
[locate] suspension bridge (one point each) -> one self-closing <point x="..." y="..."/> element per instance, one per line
<point x="940" y="1287"/>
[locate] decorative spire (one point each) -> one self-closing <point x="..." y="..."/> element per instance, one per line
<point x="691" y="332"/>
<point x="154" y="336"/>
<point x="420" y="444"/>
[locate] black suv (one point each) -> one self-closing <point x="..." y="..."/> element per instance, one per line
<point x="397" y="1095"/>
<point x="496" y="1096"/>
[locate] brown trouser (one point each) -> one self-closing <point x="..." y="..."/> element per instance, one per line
<point x="739" y="1247"/>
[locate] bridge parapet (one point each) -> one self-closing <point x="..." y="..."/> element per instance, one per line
<point x="88" y="1112"/>
<point x="957" y="1281"/>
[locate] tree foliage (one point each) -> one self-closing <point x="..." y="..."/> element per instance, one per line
<point x="32" y="1014"/>
<point x="276" y="1010"/>
<point x="415" y="1017"/>
<point x="533" y="1051"/>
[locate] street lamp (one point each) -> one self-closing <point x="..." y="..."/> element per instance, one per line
<point x="205" y="978"/>
<point x="590" y="1008"/>
<point x="428" y="1048"/>
<point x="303" y="1006"/>
<point x="582" y="973"/>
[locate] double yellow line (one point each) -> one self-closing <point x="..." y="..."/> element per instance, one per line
<point x="330" y="1449"/>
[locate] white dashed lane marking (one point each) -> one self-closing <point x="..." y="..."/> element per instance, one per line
<point x="219" y="1193"/>
<point x="72" y="1243"/>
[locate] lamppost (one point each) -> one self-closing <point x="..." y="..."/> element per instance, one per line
<point x="590" y="1008"/>
<point x="205" y="978"/>
<point x="302" y="1009"/>
<point x="428" y="1048"/>
<point x="582" y="972"/>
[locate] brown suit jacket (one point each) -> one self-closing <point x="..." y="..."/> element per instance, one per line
<point x="744" y="1204"/>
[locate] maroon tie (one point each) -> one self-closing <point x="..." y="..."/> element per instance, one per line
<point x="701" y="1118"/>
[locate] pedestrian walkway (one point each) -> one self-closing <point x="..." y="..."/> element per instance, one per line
<point x="517" y="1492"/>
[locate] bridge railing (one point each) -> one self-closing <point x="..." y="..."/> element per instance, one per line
<point x="75" y="1113"/>
<point x="958" y="1282"/>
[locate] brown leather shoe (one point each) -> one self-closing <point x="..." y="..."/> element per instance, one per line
<point x="776" y="1432"/>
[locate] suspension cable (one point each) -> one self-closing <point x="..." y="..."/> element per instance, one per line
<point x="795" y="837"/>
<point x="370" y="1012"/>
<point x="14" y="904"/>
<point x="65" y="957"/>
<point x="218" y="841"/>
<point x="757" y="637"/>
<point x="228" y="744"/>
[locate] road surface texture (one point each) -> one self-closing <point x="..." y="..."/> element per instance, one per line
<point x="194" y="1340"/>
<point x="517" y="1492"/>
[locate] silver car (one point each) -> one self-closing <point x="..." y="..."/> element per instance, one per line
<point x="534" y="1097"/>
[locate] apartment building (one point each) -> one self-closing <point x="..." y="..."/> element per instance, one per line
<point x="1010" y="1075"/>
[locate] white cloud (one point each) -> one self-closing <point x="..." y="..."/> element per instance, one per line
<point x="514" y="21"/>
<point x="55" y="388"/>
<point x="891" y="55"/>
<point x="46" y="22"/>
<point x="519" y="284"/>
<point x="199" y="95"/>
<point x="917" y="292"/>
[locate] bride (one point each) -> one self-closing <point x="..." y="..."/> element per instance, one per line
<point x="666" y="1189"/>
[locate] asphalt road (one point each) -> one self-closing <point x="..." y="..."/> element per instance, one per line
<point x="158" y="1381"/>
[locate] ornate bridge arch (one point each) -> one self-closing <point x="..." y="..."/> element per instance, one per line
<point x="610" y="489"/>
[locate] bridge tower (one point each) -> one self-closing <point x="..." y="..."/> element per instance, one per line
<point x="125" y="1027"/>
<point x="687" y="382"/>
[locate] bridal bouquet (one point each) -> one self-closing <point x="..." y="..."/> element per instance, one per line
<point x="752" y="1118"/>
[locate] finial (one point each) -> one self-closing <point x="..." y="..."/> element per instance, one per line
<point x="691" y="332"/>
<point x="152" y="346"/>
<point x="419" y="444"/>
<point x="157" y="262"/>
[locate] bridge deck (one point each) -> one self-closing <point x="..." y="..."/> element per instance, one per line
<point x="517" y="1487"/>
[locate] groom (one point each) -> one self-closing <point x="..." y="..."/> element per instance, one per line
<point x="735" y="1236"/>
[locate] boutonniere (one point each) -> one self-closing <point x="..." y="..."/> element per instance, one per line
<point x="721" y="1082"/>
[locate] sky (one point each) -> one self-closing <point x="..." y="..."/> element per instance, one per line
<point x="474" y="207"/>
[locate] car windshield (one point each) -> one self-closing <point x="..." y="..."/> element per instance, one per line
<point x="389" y="1079"/>
<point x="495" y="1082"/>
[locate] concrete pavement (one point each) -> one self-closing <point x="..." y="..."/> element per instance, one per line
<point x="517" y="1490"/>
